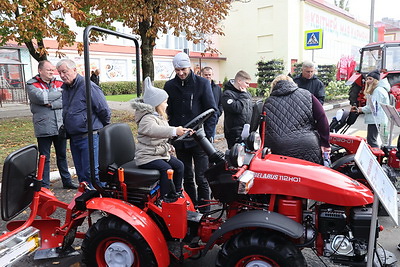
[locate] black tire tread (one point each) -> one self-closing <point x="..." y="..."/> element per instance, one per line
<point x="260" y="242"/>
<point x="114" y="226"/>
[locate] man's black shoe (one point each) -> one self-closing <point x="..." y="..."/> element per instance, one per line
<point x="398" y="246"/>
<point x="71" y="185"/>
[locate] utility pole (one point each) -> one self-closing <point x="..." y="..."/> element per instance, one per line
<point x="371" y="22"/>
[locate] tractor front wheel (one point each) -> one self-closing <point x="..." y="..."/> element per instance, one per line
<point x="259" y="248"/>
<point x="113" y="242"/>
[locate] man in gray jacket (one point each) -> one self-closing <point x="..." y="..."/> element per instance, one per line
<point x="44" y="92"/>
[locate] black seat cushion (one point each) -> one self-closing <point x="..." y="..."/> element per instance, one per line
<point x="135" y="177"/>
<point x="117" y="150"/>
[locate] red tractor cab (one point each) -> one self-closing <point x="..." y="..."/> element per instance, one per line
<point x="384" y="56"/>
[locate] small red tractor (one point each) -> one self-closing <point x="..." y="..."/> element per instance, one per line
<point x="265" y="210"/>
<point x="383" y="56"/>
<point x="344" y="148"/>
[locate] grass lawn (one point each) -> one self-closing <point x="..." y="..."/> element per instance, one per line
<point x="120" y="98"/>
<point x="18" y="132"/>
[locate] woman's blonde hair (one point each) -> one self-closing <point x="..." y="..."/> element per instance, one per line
<point x="161" y="112"/>
<point x="370" y="87"/>
<point x="278" y="78"/>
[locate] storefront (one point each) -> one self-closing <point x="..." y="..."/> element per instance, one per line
<point x="12" y="77"/>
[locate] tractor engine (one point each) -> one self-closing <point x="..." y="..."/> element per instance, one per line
<point x="345" y="236"/>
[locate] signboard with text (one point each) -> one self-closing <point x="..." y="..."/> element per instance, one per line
<point x="377" y="178"/>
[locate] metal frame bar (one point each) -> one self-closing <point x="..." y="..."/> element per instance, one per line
<point x="86" y="33"/>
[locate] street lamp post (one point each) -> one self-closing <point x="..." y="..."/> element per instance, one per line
<point x="371" y="22"/>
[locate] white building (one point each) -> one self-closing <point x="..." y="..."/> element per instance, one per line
<point x="256" y="30"/>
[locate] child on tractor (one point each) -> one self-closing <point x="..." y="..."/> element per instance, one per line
<point x="153" y="150"/>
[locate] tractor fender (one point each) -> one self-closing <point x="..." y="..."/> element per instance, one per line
<point x="258" y="219"/>
<point x="139" y="220"/>
<point x="342" y="160"/>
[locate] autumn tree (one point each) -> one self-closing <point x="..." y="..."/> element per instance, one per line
<point x="197" y="19"/>
<point x="343" y="4"/>
<point x="29" y="22"/>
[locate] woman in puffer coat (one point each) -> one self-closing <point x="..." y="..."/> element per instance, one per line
<point x="296" y="123"/>
<point x="153" y="149"/>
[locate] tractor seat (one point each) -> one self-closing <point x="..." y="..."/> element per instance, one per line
<point x="117" y="150"/>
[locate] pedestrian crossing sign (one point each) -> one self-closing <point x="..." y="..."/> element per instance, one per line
<point x="313" y="39"/>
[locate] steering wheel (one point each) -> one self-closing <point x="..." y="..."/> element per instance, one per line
<point x="196" y="123"/>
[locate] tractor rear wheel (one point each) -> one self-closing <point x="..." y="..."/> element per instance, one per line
<point x="113" y="242"/>
<point x="259" y="248"/>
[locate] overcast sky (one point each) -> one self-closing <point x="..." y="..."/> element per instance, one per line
<point x="383" y="8"/>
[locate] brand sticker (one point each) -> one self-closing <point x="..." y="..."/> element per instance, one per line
<point x="277" y="177"/>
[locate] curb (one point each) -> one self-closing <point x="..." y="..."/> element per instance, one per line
<point x="336" y="105"/>
<point x="55" y="175"/>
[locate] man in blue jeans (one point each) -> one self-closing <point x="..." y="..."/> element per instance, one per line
<point x="44" y="92"/>
<point x="75" y="118"/>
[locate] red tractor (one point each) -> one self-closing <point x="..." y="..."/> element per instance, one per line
<point x="344" y="148"/>
<point x="266" y="209"/>
<point x="384" y="56"/>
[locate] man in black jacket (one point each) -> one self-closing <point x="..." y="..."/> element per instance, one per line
<point x="307" y="80"/>
<point x="189" y="96"/>
<point x="207" y="72"/>
<point x="238" y="108"/>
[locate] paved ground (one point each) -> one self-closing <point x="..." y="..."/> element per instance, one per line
<point x="22" y="110"/>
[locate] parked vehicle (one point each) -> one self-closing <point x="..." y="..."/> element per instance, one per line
<point x="266" y="208"/>
<point x="344" y="148"/>
<point x="384" y="56"/>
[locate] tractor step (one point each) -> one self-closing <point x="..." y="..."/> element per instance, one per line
<point x="19" y="245"/>
<point x="51" y="253"/>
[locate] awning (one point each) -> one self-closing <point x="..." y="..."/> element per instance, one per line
<point x="7" y="61"/>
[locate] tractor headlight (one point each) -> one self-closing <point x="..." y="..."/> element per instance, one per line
<point x="236" y="155"/>
<point x="246" y="181"/>
<point x="253" y="141"/>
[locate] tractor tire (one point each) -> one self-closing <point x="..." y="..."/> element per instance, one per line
<point x="259" y="248"/>
<point x="354" y="91"/>
<point x="113" y="242"/>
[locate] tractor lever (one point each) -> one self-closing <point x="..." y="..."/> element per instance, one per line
<point x="171" y="196"/>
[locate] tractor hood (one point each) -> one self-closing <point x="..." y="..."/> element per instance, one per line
<point x="281" y="175"/>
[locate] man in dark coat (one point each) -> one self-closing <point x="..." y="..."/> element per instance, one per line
<point x="189" y="96"/>
<point x="307" y="80"/>
<point x="75" y="118"/>
<point x="207" y="72"/>
<point x="238" y="107"/>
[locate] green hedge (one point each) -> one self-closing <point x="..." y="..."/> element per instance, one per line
<point x="121" y="88"/>
<point x="267" y="71"/>
<point x="336" y="90"/>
